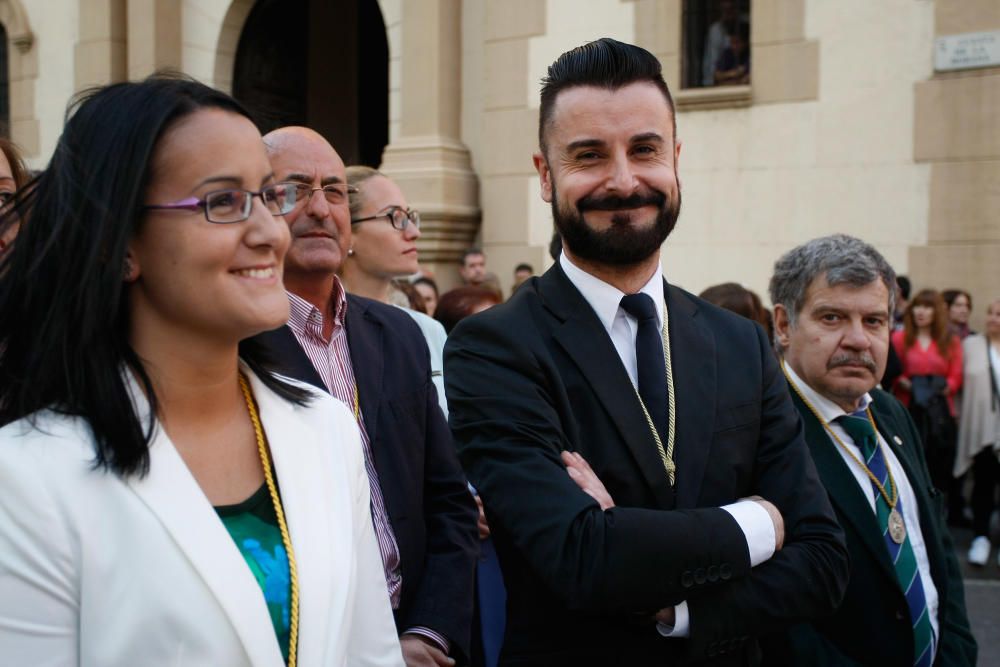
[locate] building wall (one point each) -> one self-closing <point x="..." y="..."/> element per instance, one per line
<point x="761" y="179"/>
<point x="55" y="28"/>
<point x="846" y="127"/>
<point x="956" y="135"/>
<point x="757" y="177"/>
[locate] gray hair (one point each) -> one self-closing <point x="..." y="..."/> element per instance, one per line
<point x="844" y="260"/>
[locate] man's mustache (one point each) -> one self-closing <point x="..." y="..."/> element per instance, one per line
<point x="616" y="203"/>
<point x="846" y="359"/>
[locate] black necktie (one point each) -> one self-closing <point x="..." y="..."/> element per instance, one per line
<point x="649" y="359"/>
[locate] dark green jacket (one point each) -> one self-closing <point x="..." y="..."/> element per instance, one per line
<point x="872" y="625"/>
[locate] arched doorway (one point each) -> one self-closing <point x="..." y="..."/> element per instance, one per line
<point x="19" y="74"/>
<point x="319" y="63"/>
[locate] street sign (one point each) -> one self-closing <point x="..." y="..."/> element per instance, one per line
<point x="967" y="51"/>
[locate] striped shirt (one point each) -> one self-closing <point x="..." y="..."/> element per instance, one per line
<point x="332" y="360"/>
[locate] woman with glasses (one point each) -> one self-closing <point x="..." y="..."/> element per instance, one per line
<point x="384" y="233"/>
<point x="165" y="497"/>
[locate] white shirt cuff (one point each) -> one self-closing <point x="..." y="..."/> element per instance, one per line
<point x="682" y="623"/>
<point x="757" y="527"/>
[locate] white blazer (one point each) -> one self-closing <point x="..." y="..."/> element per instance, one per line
<point x="100" y="571"/>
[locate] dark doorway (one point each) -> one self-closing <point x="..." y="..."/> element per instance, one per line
<point x="319" y="63"/>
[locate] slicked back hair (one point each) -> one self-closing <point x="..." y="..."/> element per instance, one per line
<point x="357" y="174"/>
<point x="842" y="259"/>
<point x="64" y="308"/>
<point x="604" y="63"/>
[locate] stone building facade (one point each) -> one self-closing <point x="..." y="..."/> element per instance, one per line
<point x="846" y="125"/>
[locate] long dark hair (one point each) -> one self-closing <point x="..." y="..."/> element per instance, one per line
<point x="63" y="307"/>
<point x="940" y="332"/>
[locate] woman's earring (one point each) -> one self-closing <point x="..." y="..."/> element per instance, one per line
<point x="128" y="271"/>
<point x="350" y="252"/>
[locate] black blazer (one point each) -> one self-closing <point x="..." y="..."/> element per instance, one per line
<point x="538" y="375"/>
<point x="872" y="626"/>
<point x="430" y="508"/>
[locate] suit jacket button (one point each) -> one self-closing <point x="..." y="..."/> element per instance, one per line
<point x="713" y="573"/>
<point x="699" y="576"/>
<point x="725" y="571"/>
<point x="899" y="615"/>
<point x="687" y="581"/>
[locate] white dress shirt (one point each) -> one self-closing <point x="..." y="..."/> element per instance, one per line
<point x="605" y="299"/>
<point x="829" y="411"/>
<point x="995" y="361"/>
<point x="435" y="336"/>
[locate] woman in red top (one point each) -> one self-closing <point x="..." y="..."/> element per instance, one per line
<point x="931" y="358"/>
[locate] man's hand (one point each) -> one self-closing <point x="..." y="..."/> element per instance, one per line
<point x="588" y="481"/>
<point x="420" y="652"/>
<point x="484" y="528"/>
<point x="779" y="522"/>
<point x="667" y="617"/>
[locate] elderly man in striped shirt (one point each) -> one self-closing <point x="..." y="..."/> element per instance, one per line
<point x="373" y="357"/>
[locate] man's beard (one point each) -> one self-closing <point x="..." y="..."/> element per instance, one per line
<point x="622" y="244"/>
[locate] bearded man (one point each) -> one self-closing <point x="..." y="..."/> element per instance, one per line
<point x="720" y="530"/>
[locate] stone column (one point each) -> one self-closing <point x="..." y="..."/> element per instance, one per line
<point x="428" y="159"/>
<point x="154" y="36"/>
<point x="22" y="55"/>
<point x="516" y="222"/>
<point x="100" y="55"/>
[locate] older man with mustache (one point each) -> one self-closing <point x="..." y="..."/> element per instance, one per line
<point x="833" y="304"/>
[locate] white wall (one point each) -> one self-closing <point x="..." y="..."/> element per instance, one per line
<point x="761" y="180"/>
<point x="757" y="181"/>
<point x="201" y="23"/>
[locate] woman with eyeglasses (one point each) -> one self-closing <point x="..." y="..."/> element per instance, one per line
<point x="384" y="233"/>
<point x="165" y="497"/>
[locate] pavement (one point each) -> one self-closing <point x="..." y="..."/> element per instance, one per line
<point x="982" y="597"/>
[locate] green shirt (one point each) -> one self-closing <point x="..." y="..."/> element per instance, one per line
<point x="253" y="525"/>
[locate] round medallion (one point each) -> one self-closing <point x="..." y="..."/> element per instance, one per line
<point x="897" y="529"/>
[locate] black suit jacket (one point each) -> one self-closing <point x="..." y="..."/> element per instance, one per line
<point x="430" y="508"/>
<point x="539" y="374"/>
<point x="872" y="626"/>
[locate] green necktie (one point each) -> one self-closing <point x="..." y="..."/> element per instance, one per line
<point x="859" y="428"/>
